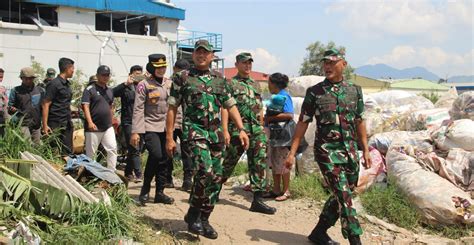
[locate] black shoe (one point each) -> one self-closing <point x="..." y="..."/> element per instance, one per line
<point x="259" y="206"/>
<point x="319" y="234"/>
<point x="143" y="199"/>
<point x="192" y="218"/>
<point x="160" y="197"/>
<point x="187" y="185"/>
<point x="354" y="240"/>
<point x="209" y="231"/>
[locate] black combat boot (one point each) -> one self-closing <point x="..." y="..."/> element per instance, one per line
<point x="259" y="206"/>
<point x="354" y="240"/>
<point x="319" y="234"/>
<point x="187" y="181"/>
<point x="209" y="231"/>
<point x="193" y="219"/>
<point x="144" y="192"/>
<point x="160" y="197"/>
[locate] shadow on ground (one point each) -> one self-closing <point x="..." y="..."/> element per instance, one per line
<point x="278" y="237"/>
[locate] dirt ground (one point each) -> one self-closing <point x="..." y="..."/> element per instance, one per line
<point x="291" y="224"/>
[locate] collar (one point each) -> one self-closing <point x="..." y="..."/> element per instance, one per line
<point x="243" y="79"/>
<point x="63" y="81"/>
<point x="196" y="72"/>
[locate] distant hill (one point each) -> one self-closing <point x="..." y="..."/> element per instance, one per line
<point x="461" y="79"/>
<point x="384" y="71"/>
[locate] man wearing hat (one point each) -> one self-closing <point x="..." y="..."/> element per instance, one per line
<point x="97" y="104"/>
<point x="338" y="107"/>
<point x="50" y="75"/>
<point x="149" y="116"/>
<point x="24" y="104"/>
<point x="203" y="93"/>
<point x="126" y="92"/>
<point x="247" y="93"/>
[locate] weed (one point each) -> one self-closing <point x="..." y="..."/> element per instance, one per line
<point x="309" y="186"/>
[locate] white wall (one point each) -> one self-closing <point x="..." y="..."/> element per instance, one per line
<point x="20" y="44"/>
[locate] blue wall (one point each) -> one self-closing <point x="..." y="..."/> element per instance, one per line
<point x="147" y="7"/>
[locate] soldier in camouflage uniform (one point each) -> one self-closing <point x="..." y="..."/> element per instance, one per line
<point x="247" y="94"/>
<point x="204" y="93"/>
<point x="338" y="107"/>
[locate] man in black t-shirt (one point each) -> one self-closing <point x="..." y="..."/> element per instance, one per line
<point x="97" y="101"/>
<point x="56" y="106"/>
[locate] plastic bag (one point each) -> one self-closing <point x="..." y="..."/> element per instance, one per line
<point x="367" y="177"/>
<point x="458" y="134"/>
<point x="426" y="119"/>
<point x="447" y="99"/>
<point x="427" y="191"/>
<point x="463" y="106"/>
<point x="299" y="85"/>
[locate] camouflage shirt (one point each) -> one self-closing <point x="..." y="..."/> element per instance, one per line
<point x="203" y="94"/>
<point x="336" y="108"/>
<point x="247" y="94"/>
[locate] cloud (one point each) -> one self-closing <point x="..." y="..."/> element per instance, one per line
<point x="264" y="61"/>
<point x="435" y="59"/>
<point x="378" y="18"/>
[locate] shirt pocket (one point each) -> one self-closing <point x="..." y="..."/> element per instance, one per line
<point x="328" y="114"/>
<point x="197" y="100"/>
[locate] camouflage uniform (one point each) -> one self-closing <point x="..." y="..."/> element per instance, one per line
<point x="203" y="93"/>
<point x="247" y="94"/>
<point x="336" y="107"/>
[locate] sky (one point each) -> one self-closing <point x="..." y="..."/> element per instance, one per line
<point x="437" y="35"/>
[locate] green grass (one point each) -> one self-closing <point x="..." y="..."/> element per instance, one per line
<point x="308" y="186"/>
<point x="14" y="142"/>
<point x="389" y="204"/>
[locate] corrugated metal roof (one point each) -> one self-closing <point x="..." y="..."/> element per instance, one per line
<point x="418" y="84"/>
<point x="148" y="7"/>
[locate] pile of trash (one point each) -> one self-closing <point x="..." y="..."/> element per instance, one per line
<point x="429" y="154"/>
<point x="425" y="149"/>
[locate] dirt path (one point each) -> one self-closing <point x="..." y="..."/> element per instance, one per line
<point x="291" y="224"/>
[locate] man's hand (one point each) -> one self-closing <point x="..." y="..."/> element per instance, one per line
<point x="170" y="147"/>
<point x="135" y="140"/>
<point x="12" y="109"/>
<point x="226" y="137"/>
<point x="244" y="139"/>
<point x="367" y="160"/>
<point x="290" y="161"/>
<point x="92" y="127"/>
<point x="47" y="130"/>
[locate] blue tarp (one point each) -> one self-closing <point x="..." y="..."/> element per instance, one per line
<point x="94" y="167"/>
<point x="148" y="7"/>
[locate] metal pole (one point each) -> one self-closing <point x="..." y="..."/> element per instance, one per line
<point x="9" y="10"/>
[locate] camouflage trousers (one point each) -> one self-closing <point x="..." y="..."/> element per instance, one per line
<point x="207" y="165"/>
<point x="341" y="178"/>
<point x="256" y="158"/>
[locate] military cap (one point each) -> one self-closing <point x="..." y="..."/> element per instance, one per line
<point x="103" y="70"/>
<point x="182" y="64"/>
<point x="157" y="60"/>
<point x="333" y="54"/>
<point x="203" y="44"/>
<point x="28" y="72"/>
<point x="51" y="73"/>
<point x="244" y="56"/>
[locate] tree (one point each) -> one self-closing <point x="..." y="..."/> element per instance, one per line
<point x="312" y="64"/>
